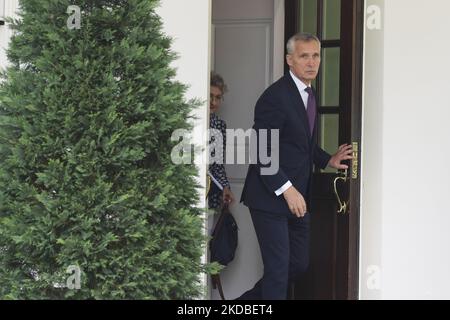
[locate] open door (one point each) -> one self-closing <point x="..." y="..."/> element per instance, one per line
<point x="333" y="272"/>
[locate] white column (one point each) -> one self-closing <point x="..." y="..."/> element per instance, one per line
<point x="406" y="150"/>
<point x="189" y="24"/>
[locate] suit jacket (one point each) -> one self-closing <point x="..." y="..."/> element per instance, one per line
<point x="281" y="107"/>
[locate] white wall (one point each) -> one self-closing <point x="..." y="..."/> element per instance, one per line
<point x="189" y="24"/>
<point x="371" y="162"/>
<point x="8" y="8"/>
<point x="406" y="143"/>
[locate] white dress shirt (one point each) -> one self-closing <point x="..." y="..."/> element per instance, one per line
<point x="301" y="88"/>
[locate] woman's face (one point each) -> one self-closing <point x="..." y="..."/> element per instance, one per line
<point x="216" y="97"/>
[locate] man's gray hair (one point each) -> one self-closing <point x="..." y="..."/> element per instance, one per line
<point x="301" y="36"/>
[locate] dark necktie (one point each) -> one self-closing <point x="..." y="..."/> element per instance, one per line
<point x="311" y="108"/>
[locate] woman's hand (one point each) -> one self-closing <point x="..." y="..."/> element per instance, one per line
<point x="228" y="196"/>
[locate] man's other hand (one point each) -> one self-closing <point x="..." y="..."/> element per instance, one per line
<point x="295" y="201"/>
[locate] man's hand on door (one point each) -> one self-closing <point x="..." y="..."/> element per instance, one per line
<point x="344" y="153"/>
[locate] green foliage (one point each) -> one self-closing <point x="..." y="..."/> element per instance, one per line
<point x="86" y="177"/>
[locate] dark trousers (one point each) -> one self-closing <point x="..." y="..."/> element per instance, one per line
<point x="284" y="244"/>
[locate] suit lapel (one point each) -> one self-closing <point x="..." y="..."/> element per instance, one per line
<point x="298" y="104"/>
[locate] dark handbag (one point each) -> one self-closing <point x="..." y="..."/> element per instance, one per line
<point x="223" y="243"/>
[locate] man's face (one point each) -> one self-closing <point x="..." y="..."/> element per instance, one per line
<point x="304" y="62"/>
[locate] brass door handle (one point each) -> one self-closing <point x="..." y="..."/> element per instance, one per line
<point x="342" y="175"/>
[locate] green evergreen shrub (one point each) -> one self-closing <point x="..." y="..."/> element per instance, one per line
<point x="86" y="177"/>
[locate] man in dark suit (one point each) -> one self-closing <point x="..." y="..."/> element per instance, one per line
<point x="277" y="202"/>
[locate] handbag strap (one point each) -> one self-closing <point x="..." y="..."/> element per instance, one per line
<point x="215" y="279"/>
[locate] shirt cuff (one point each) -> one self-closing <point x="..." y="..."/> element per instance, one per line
<point x="286" y="186"/>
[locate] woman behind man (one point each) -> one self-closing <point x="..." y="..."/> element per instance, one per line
<point x="220" y="187"/>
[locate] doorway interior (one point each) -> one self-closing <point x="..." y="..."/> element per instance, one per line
<point x="246" y="52"/>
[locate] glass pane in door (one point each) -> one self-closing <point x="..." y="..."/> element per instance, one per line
<point x="330" y="77"/>
<point x="308" y="16"/>
<point x="331" y="19"/>
<point x="329" y="135"/>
